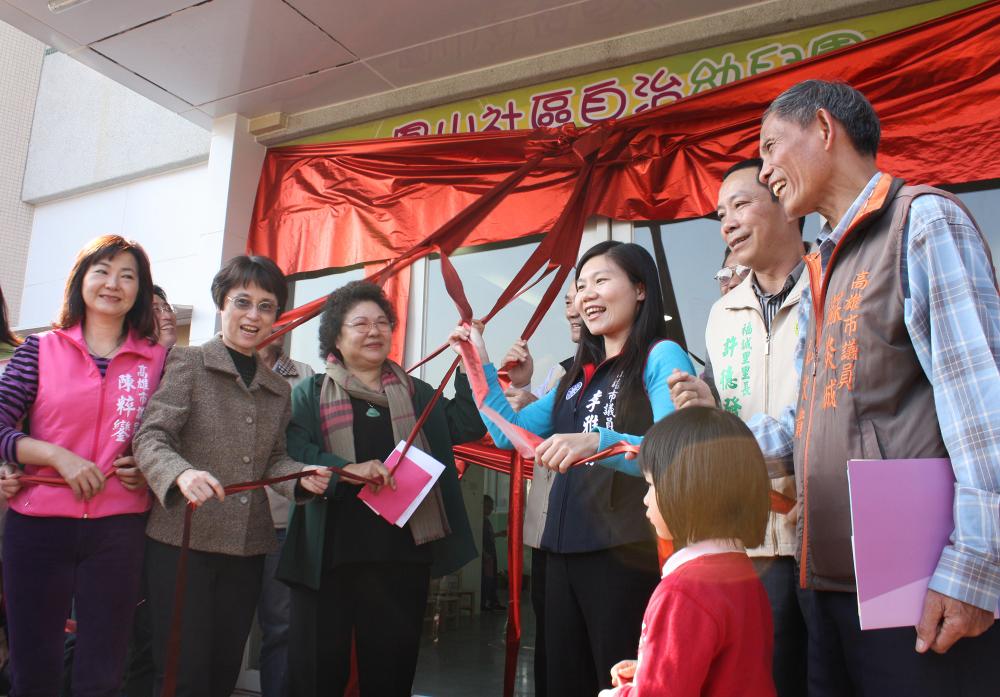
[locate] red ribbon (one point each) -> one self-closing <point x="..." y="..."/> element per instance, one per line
<point x="180" y="585"/>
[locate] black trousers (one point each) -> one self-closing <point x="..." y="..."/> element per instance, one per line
<point x="140" y="672"/>
<point x="381" y="605"/>
<point x="846" y="662"/>
<point x="538" y="557"/>
<point x="780" y="580"/>
<point x="594" y="604"/>
<point x="221" y="597"/>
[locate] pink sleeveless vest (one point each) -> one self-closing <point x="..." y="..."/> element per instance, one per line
<point x="93" y="417"/>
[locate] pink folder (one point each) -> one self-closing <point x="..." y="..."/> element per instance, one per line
<point x="901" y="512"/>
<point x="414" y="477"/>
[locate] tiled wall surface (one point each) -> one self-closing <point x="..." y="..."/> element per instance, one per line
<point x="20" y="68"/>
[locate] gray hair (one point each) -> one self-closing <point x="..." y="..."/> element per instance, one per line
<point x="847" y="105"/>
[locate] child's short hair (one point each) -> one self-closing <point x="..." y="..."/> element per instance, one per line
<point x="709" y="476"/>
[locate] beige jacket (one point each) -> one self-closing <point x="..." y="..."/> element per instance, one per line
<point x="536" y="509"/>
<point x="204" y="417"/>
<point x="754" y="373"/>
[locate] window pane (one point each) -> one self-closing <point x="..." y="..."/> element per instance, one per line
<point x="305" y="338"/>
<point x="694" y="253"/>
<point x="485" y="274"/>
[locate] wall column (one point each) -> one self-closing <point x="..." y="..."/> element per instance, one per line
<point x="234" y="163"/>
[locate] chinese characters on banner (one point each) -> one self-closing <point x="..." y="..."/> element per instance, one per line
<point x="630" y="91"/>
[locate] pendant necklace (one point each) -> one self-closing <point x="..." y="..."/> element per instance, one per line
<point x="121" y="340"/>
<point x="372" y="411"/>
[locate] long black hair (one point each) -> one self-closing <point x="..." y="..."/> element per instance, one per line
<point x="6" y="335"/>
<point x="649" y="327"/>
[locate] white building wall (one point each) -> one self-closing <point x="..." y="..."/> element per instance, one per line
<point x="20" y="66"/>
<point x="164" y="213"/>
<point x="91" y="132"/>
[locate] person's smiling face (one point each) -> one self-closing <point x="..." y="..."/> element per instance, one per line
<point x="606" y="298"/>
<point x="365" y="337"/>
<point x="754" y="225"/>
<point x="110" y="286"/>
<point x="247" y="317"/>
<point x="166" y="321"/>
<point x="796" y="165"/>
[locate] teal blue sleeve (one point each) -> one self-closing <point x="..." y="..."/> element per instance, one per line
<point x="535" y="417"/>
<point x="663" y="359"/>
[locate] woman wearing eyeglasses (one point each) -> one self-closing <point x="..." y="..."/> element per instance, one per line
<point x="218" y="418"/>
<point x="166" y="319"/>
<point x="354" y="575"/>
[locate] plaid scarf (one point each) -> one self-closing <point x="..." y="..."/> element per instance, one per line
<point x="429" y="522"/>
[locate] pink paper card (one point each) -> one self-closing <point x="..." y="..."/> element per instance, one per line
<point x="414" y="476"/>
<point x="901" y="512"/>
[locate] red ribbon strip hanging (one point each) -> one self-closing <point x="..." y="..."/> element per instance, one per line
<point x="929" y="83"/>
<point x="180" y="585"/>
<point x="515" y="550"/>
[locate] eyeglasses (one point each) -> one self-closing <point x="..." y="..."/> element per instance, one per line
<point x="382" y="326"/>
<point x="265" y="307"/>
<point x="726" y="273"/>
<point x="164" y="309"/>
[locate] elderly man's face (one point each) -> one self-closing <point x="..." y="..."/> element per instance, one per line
<point x="795" y="163"/>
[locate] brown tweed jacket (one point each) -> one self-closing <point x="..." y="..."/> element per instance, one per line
<point x="204" y="416"/>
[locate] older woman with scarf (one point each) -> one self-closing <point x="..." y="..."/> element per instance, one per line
<point x="352" y="573"/>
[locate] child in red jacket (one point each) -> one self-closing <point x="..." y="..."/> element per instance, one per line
<point x="707" y="628"/>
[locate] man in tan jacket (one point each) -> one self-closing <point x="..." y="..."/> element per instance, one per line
<point x="750" y="338"/>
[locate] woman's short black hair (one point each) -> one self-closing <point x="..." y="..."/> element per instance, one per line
<point x="342" y="301"/>
<point x="160" y="293"/>
<point x="140" y="317"/>
<point x="709" y="475"/>
<point x="243" y="270"/>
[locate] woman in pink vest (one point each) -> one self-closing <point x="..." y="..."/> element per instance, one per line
<point x="70" y="401"/>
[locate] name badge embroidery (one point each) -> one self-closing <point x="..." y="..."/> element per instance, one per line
<point x="571" y="392"/>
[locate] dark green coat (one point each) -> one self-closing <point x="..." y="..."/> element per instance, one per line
<point x="452" y="422"/>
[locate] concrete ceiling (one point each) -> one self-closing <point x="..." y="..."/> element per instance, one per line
<point x="257" y="57"/>
<point x="305" y="66"/>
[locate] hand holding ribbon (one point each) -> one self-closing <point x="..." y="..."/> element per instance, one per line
<point x="558" y="452"/>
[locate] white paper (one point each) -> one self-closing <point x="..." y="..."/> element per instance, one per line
<point x="429" y="465"/>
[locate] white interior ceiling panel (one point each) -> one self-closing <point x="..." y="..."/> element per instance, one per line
<point x="329" y="86"/>
<point x="88" y="21"/>
<point x="369" y="29"/>
<point x="536" y="34"/>
<point x="225" y="47"/>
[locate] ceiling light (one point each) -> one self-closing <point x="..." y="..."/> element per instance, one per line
<point x="57" y="6"/>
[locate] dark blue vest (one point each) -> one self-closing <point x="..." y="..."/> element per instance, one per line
<point x="592" y="507"/>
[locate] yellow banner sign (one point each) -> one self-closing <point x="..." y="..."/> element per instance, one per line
<point x="620" y="92"/>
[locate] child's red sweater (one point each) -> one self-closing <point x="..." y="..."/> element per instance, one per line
<point x="707" y="632"/>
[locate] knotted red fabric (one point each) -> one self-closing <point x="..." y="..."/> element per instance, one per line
<point x="935" y="86"/>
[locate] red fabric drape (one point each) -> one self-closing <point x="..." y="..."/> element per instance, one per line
<point x="936" y="87"/>
<point x="397" y="289"/>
